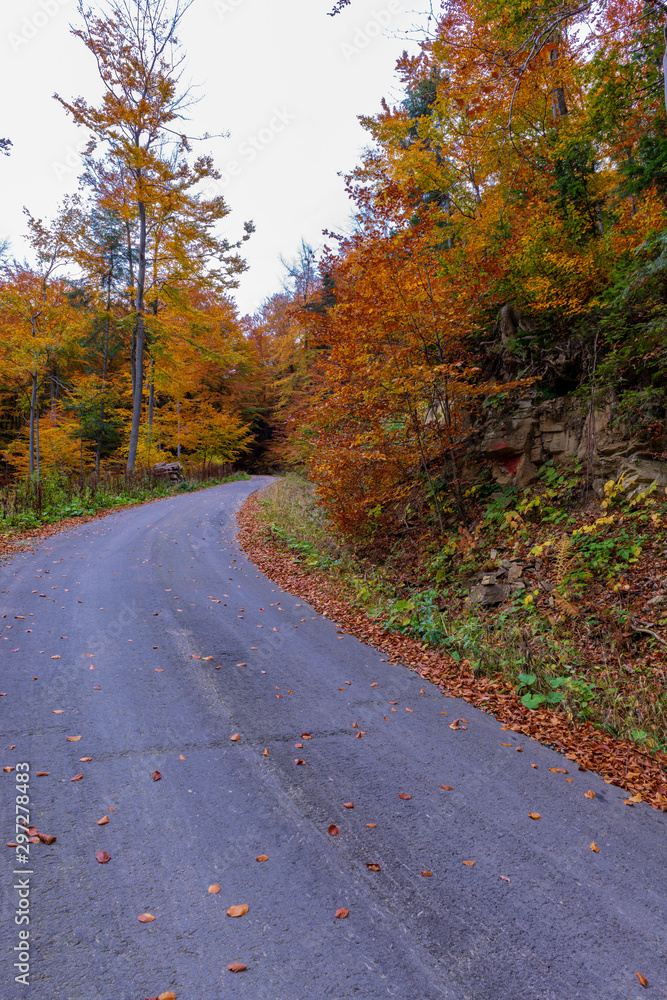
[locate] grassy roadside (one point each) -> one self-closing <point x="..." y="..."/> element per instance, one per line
<point x="568" y="656"/>
<point x="29" y="512"/>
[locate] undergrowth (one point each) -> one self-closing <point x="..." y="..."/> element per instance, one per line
<point x="576" y="633"/>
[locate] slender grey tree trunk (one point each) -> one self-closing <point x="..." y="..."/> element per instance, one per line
<point x="139" y="350"/>
<point x="33" y="407"/>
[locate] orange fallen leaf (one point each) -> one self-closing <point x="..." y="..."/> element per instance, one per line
<point x="238" y="911"/>
<point x="371" y="825"/>
<point x="504" y="878"/>
<point x="589" y="794"/>
<point x="558" y="770"/>
<point x="58" y="711"/>
<point x="266" y="752"/>
<point x="77" y="777"/>
<point x="534" y="765"/>
<point x="374" y="684"/>
<point x="502" y="744"/>
<point x="342" y="912"/>
<point x="214" y="889"/>
<point x="404" y="795"/>
<point x="409" y="710"/>
<point x="235" y="738"/>
<point x="73" y="739"/>
<point x="103" y="821"/>
<point x="469" y="863"/>
<point x="643" y="981"/>
<point x="299" y="760"/>
<point x="181" y="757"/>
<point x="237" y="967"/>
<point x="373" y="867"/>
<point x="427" y="874"/>
<point x="103" y="857"/>
<point x="207" y="657"/>
<point x="145" y="918"/>
<point x="156" y="775"/>
<point x="447" y="788"/>
<point x="241" y="664"/>
<point x="97" y="687"/>
<point x="534" y="815"/>
<point x="169" y="995"/>
<point x="595" y="848"/>
<point x="298" y="746"/>
<point x="46" y="838"/>
<point x="55" y="657"/>
<point x="349" y="805"/>
<point x="43" y="774"/>
<point x="333" y="830"/>
<point x="8" y="770"/>
<point x="262" y="857"/>
<point x="85" y="759"/>
<point x="306" y="736"/>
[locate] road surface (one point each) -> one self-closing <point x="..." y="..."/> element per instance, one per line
<point x="150" y="640"/>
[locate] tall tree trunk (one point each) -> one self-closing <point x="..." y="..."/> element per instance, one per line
<point x="33" y="407"/>
<point x="151" y="407"/>
<point x="139" y="351"/>
<point x="105" y="368"/>
<point x="178" y="416"/>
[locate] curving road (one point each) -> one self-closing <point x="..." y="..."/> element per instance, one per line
<point x="190" y="645"/>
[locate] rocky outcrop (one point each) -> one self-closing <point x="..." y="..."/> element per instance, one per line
<point x="559" y="430"/>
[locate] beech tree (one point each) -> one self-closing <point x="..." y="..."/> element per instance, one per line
<point x="149" y="177"/>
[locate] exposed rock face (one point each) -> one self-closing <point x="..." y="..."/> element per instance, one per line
<point x="173" y="471"/>
<point x="559" y="431"/>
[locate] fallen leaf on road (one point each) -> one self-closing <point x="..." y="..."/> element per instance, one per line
<point x="534" y="815"/>
<point x="447" y="788"/>
<point x="558" y="770"/>
<point x="409" y="710"/>
<point x="403" y="795"/>
<point x="589" y="794"/>
<point x="595" y="848"/>
<point x="8" y="769"/>
<point x="333" y="830"/>
<point x="57" y="711"/>
<point x="43" y="774"/>
<point x="371" y="825"/>
<point x="636" y="798"/>
<point x="77" y="777"/>
<point x="342" y="912"/>
<point x="266" y="752"/>
<point x="156" y="775"/>
<point x="103" y="821"/>
<point x="207" y="657"/>
<point x="502" y="744"/>
<point x="349" y="805"/>
<point x="642" y="979"/>
<point x="455" y="724"/>
<point x="46" y="838"/>
<point x="237" y="911"/>
<point x="167" y="996"/>
<point x="97" y="687"/>
<point x="85" y="759"/>
<point x="298" y="746"/>
<point x="235" y="738"/>
<point x="534" y="765"/>
<point x="262" y="857"/>
<point x="159" y="670"/>
<point x="145" y="918"/>
<point x="241" y="664"/>
<point x="469" y="863"/>
<point x="53" y="657"/>
<point x="237" y="967"/>
<point x="373" y="867"/>
<point x="504" y="878"/>
<point x="214" y="889"/>
<point x="103" y="857"/>
<point x="374" y="684"/>
<point x="306" y="736"/>
<point x="299" y="760"/>
<point x="427" y="874"/>
<point x="73" y="739"/>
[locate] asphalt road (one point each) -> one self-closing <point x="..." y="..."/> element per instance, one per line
<point x="190" y="645"/>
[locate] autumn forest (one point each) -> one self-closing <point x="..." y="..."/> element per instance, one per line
<point x="508" y="252"/>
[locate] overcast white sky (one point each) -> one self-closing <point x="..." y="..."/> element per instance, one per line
<point x="285" y="80"/>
